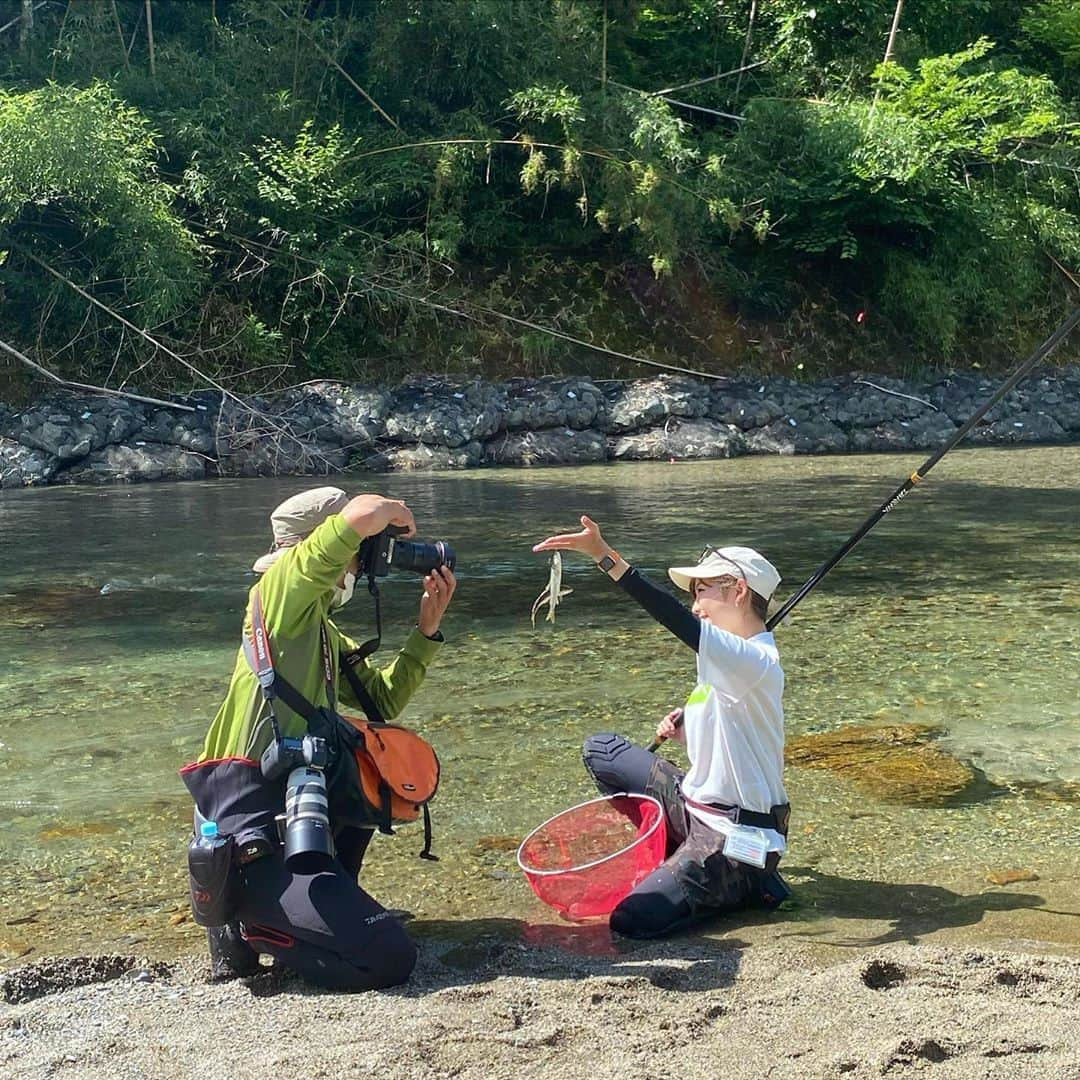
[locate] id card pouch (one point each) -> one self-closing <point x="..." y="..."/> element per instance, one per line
<point x="747" y="845"/>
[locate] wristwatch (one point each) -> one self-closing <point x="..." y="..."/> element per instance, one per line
<point x="607" y="563"/>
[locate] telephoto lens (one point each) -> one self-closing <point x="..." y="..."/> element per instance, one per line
<point x="420" y="558"/>
<point x="309" y="843"/>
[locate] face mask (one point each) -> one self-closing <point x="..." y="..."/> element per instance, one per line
<point x="343" y="595"/>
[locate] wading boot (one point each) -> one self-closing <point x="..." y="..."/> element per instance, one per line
<point x="231" y="957"/>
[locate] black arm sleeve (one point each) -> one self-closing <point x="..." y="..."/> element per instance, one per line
<point x="663" y="607"/>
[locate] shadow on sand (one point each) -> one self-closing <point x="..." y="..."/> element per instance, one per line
<point x="910" y="910"/>
<point x="456" y="952"/>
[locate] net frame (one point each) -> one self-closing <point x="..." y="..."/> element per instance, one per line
<point x="527" y="870"/>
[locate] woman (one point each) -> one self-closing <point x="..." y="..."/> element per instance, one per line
<point x="727" y="815"/>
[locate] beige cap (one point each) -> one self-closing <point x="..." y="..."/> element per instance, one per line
<point x="760" y="574"/>
<point x="296" y="517"/>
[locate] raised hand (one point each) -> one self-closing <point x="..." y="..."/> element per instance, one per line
<point x="588" y="541"/>
<point x="439" y="588"/>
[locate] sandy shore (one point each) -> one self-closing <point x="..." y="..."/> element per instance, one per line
<point x="697" y="1008"/>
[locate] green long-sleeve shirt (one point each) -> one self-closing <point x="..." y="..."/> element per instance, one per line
<point x="296" y="593"/>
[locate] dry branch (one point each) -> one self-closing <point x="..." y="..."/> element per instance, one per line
<point x="280" y="434"/>
<point x="150" y="36"/>
<point x="479" y="311"/>
<point x="12" y="351"/>
<point x="344" y="74"/>
<point x="708" y="79"/>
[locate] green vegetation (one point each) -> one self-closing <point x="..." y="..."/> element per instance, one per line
<point x="362" y="188"/>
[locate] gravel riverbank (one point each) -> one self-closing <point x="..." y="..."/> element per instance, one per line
<point x="695" y="1008"/>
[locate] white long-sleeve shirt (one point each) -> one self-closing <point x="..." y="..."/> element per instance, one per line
<point x="734" y="722"/>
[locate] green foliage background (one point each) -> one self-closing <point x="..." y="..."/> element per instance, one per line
<point x="364" y="188"/>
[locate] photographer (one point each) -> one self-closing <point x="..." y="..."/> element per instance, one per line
<point x="319" y="923"/>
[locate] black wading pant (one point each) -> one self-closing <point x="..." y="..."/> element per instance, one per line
<point x="696" y="880"/>
<point x="324" y="926"/>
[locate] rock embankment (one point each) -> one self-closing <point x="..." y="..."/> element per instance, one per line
<point x="429" y="422"/>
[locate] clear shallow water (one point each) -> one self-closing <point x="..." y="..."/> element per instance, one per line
<point x="961" y="610"/>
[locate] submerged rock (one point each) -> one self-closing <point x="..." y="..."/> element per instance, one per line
<point x="895" y="764"/>
<point x="47" y="604"/>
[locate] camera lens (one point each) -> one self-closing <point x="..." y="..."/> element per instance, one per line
<point x="422" y="558"/>
<point x="309" y="844"/>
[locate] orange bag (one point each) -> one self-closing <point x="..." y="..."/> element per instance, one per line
<point x="399" y="770"/>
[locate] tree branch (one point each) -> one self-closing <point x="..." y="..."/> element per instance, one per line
<point x="282" y="433"/>
<point x="478" y="311"/>
<point x="12" y="351"/>
<point x="708" y="79"/>
<point x="345" y="75"/>
<point x="21" y="16"/>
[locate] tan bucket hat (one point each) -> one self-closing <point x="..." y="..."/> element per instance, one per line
<point x="298" y="516"/>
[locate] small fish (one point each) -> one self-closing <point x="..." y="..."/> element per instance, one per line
<point x="553" y="591"/>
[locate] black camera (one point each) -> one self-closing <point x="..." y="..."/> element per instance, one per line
<point x="309" y="842"/>
<point x="378" y="553"/>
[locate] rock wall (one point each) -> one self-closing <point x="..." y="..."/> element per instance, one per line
<point x="428" y="422"/>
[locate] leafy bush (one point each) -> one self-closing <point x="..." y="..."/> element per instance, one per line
<point x="369" y="179"/>
<point x="81" y="163"/>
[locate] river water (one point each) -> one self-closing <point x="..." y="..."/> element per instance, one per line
<point x="960" y="611"/>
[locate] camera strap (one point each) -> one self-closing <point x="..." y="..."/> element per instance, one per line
<point x="274" y="684"/>
<point x="260" y="658"/>
<point x="372" y="644"/>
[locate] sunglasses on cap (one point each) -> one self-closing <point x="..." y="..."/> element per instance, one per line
<point x="714" y="552"/>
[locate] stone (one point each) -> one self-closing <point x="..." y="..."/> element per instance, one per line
<point x="192" y="431"/>
<point x="1020" y="427"/>
<point x="433" y="458"/>
<point x="265" y="454"/>
<point x="24" y="466"/>
<point x="863" y="402"/>
<point x="534" y="404"/>
<point x="429" y="410"/>
<point x="898" y="763"/>
<point x="353" y="417"/>
<point x="922" y="433"/>
<point x="743" y="407"/>
<point x="131" y="464"/>
<point x="435" y="422"/>
<point x="771" y="439"/>
<point x="679" y="440"/>
<point x="805" y="436"/>
<point x="527" y="448"/>
<point x="643" y="403"/>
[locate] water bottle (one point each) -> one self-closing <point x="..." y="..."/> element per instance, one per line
<point x="210" y="875"/>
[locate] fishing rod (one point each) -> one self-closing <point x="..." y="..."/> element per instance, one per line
<point x="891" y="503"/>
